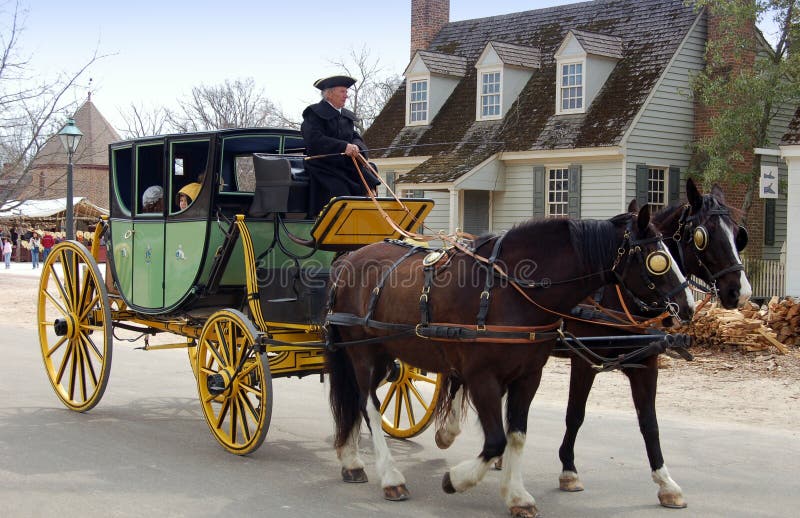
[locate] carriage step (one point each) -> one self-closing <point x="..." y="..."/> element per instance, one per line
<point x="283" y="300"/>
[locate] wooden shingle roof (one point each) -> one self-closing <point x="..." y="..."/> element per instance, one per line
<point x="648" y="33"/>
<point x="444" y="64"/>
<point x="517" y="55"/>
<point x="599" y="44"/>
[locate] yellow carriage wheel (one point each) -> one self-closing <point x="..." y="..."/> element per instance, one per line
<point x="234" y="382"/>
<point x="75" y="328"/>
<point x="408" y="400"/>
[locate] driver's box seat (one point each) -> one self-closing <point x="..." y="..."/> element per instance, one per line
<point x="280" y="186"/>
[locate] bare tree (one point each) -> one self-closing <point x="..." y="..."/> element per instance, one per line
<point x="232" y="104"/>
<point x="372" y="89"/>
<point x="141" y="121"/>
<point x="32" y="109"/>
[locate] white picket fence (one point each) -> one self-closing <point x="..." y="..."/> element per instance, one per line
<point x="766" y="277"/>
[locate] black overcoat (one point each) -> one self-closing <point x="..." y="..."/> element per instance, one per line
<point x="326" y="131"/>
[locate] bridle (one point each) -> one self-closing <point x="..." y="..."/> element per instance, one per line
<point x="654" y="264"/>
<point x="690" y="229"/>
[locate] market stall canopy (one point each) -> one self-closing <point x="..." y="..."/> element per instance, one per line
<point x="33" y="209"/>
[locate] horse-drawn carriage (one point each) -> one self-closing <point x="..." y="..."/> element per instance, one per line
<point x="258" y="288"/>
<point x="240" y="274"/>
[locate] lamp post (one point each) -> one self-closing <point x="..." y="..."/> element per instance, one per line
<point x="70" y="136"/>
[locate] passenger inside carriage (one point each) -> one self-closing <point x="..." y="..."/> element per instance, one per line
<point x="188" y="194"/>
<point x="153" y="199"/>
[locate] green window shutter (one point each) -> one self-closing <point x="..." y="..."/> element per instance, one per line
<point x="538" y="191"/>
<point x="674" y="184"/>
<point x="641" y="184"/>
<point x="574" y="192"/>
<point x="769" y="221"/>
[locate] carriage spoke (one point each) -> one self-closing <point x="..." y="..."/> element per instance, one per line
<point x="412" y="388"/>
<point x="81" y="357"/>
<point x="56" y="346"/>
<point x="57" y="303"/>
<point x="249" y="404"/>
<point x="388" y="398"/>
<point x="64" y="362"/>
<point x="88" y="345"/>
<point x="88" y="307"/>
<point x="398" y="401"/>
<point x="73" y="368"/>
<point x="421" y="377"/>
<point x="243" y="418"/>
<point x="410" y="409"/>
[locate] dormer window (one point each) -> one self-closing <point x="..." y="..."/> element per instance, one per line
<point x="584" y="60"/>
<point x="418" y="102"/>
<point x="571" y="87"/>
<point x="490" y="95"/>
<point x="430" y="79"/>
<point x="503" y="71"/>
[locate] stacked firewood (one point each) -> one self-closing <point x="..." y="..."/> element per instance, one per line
<point x="775" y="325"/>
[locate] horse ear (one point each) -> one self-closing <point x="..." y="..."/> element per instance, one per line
<point x="633" y="206"/>
<point x="694" y="196"/>
<point x="717" y="192"/>
<point x="644" y="218"/>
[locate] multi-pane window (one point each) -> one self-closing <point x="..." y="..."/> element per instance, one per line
<point x="418" y="101"/>
<point x="572" y="86"/>
<point x="557" y="192"/>
<point x="490" y="94"/>
<point x="657" y="187"/>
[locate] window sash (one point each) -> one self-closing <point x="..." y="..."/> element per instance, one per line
<point x="557" y="192"/>
<point x="657" y="187"/>
<point x="490" y="94"/>
<point x="418" y="101"/>
<point x="572" y="86"/>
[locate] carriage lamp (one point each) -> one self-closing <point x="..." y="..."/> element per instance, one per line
<point x="70" y="137"/>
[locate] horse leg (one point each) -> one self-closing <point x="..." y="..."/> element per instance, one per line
<point x="581" y="378"/>
<point x="352" y="464"/>
<point x="392" y="480"/>
<point x="520" y="395"/>
<point x="487" y="404"/>
<point x="451" y="425"/>
<point x="644" y="383"/>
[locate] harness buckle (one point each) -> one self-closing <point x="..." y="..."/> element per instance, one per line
<point x="423" y="297"/>
<point x="416" y="331"/>
<point x="485" y="294"/>
<point x="480" y="327"/>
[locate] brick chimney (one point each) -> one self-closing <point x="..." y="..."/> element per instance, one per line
<point x="718" y="25"/>
<point x="427" y="19"/>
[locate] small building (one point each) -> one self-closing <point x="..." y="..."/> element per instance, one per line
<point x="571" y="110"/>
<point x="790" y="151"/>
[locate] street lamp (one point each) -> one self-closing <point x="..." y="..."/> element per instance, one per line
<point x="70" y="136"/>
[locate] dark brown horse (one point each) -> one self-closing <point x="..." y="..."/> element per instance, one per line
<point x="706" y="242"/>
<point x="461" y="316"/>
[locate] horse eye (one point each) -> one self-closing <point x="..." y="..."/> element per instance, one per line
<point x="700" y="238"/>
<point x="658" y="263"/>
<point x="741" y="239"/>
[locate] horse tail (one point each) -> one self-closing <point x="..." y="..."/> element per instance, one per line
<point x="444" y="403"/>
<point x="344" y="394"/>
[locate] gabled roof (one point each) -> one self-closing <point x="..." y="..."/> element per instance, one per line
<point x="444" y="64"/>
<point x="650" y="32"/>
<point x="93" y="147"/>
<point x="517" y="55"/>
<point x="599" y="44"/>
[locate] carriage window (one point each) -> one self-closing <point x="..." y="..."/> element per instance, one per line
<point x="557" y="192"/>
<point x="657" y="187"/>
<point x="189" y="161"/>
<point x="122" y="163"/>
<point x="149" y="174"/>
<point x="293" y="146"/>
<point x="245" y="174"/>
<point x="236" y="169"/>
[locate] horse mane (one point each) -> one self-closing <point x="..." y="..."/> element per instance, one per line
<point x="595" y="241"/>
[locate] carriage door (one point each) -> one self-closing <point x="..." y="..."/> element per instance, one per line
<point x="148" y="226"/>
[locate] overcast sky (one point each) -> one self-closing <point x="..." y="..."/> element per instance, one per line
<point x="158" y="50"/>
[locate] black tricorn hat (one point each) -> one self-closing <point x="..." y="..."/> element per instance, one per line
<point x="330" y="82"/>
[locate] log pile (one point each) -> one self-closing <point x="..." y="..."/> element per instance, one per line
<point x="775" y="325"/>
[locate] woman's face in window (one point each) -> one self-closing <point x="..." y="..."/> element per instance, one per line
<point x="183" y="201"/>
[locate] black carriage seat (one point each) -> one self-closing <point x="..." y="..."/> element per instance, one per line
<point x="281" y="185"/>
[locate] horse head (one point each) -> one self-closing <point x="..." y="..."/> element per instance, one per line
<point x="710" y="241"/>
<point x="647" y="271"/>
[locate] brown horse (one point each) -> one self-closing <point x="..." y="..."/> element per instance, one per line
<point x="386" y="305"/>
<point x="706" y="242"/>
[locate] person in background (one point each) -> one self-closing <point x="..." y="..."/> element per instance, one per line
<point x="7" y="249"/>
<point x="48" y="242"/>
<point x="328" y="129"/>
<point x="35" y="243"/>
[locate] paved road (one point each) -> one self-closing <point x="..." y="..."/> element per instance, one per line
<point x="145" y="450"/>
